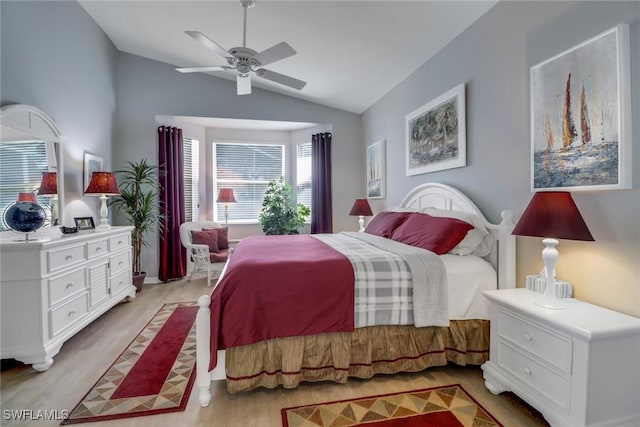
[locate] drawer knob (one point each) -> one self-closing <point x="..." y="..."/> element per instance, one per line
<point x="527" y="371"/>
<point x="71" y="313"/>
<point x="528" y="337"/>
<point x="98" y="249"/>
<point x="69" y="257"/>
<point x="69" y="285"/>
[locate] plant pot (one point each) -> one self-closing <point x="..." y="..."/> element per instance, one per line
<point x="138" y="280"/>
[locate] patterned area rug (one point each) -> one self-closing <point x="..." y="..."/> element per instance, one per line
<point x="153" y="375"/>
<point x="447" y="406"/>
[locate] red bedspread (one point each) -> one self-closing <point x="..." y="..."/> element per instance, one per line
<point x="281" y="286"/>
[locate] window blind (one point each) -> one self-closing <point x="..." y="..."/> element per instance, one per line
<point x="21" y="167"/>
<point x="191" y="178"/>
<point x="303" y="176"/>
<point x="247" y="169"/>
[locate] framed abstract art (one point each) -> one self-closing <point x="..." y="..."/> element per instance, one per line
<point x="581" y="116"/>
<point x="436" y="134"/>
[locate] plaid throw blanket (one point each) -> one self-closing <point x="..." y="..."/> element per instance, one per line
<point x="395" y="284"/>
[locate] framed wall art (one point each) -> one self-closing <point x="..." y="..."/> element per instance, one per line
<point x="91" y="164"/>
<point x="376" y="170"/>
<point x="581" y="116"/>
<point x="436" y="134"/>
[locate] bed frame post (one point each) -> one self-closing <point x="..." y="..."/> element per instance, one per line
<point x="203" y="339"/>
<point x="506" y="252"/>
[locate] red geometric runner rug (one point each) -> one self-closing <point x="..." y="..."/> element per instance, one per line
<point x="153" y="375"/>
<point x="447" y="406"/>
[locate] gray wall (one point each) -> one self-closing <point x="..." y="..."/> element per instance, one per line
<point x="493" y="58"/>
<point x="56" y="58"/>
<point x="147" y="88"/>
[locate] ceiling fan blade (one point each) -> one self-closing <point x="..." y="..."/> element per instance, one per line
<point x="281" y="78"/>
<point x="209" y="43"/>
<point x="202" y="69"/>
<point x="243" y="84"/>
<point x="275" y="53"/>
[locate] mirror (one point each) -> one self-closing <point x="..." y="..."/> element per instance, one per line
<point x="31" y="144"/>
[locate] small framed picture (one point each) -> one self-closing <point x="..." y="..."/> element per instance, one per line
<point x="92" y="163"/>
<point x="84" y="223"/>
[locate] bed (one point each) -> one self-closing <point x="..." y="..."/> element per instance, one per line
<point x="446" y="321"/>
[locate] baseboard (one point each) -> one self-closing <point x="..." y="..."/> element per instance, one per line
<point x="151" y="280"/>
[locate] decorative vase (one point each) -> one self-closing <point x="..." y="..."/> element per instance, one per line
<point x="25" y="215"/>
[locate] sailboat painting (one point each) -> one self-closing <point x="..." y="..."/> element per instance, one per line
<point x="581" y="116"/>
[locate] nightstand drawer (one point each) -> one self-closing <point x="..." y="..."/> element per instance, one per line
<point x="549" y="346"/>
<point x="543" y="379"/>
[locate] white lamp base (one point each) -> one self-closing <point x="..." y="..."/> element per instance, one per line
<point x="104" y="222"/>
<point x="550" y="256"/>
<point x="361" y="223"/>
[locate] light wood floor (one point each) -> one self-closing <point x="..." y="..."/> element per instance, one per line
<point x="85" y="357"/>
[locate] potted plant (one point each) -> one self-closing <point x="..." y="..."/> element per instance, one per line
<point x="280" y="214"/>
<point x="138" y="201"/>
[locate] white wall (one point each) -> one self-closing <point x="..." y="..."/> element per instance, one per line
<point x="493" y="58"/>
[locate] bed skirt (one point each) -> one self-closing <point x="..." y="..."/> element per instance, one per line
<point x="361" y="354"/>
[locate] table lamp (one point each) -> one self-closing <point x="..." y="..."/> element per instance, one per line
<point x="361" y="209"/>
<point x="226" y="196"/>
<point x="49" y="187"/>
<point x="103" y="184"/>
<point x="552" y="215"/>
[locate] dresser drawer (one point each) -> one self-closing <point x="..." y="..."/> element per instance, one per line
<point x="60" y="258"/>
<point x="96" y="248"/>
<point x="119" y="242"/>
<point x="66" y="285"/>
<point x="120" y="262"/>
<point x="549" y="383"/>
<point x="67" y="314"/>
<point x="549" y="346"/>
<point x="120" y="281"/>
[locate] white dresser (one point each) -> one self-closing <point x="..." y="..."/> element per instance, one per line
<point x="579" y="366"/>
<point x="53" y="287"/>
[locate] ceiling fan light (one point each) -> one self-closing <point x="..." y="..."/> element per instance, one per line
<point x="243" y="83"/>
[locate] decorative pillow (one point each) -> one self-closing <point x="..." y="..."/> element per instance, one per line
<point x="206" y="237"/>
<point x="477" y="241"/>
<point x="436" y="234"/>
<point x="223" y="236"/>
<point x="384" y="223"/>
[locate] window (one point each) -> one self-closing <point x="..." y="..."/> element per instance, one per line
<point x="247" y="169"/>
<point x="191" y="178"/>
<point x="303" y="175"/>
<point x="21" y="167"/>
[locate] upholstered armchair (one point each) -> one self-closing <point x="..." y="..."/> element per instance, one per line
<point x="207" y="245"/>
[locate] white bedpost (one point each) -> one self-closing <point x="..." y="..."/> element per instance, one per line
<point x="203" y="339"/>
<point x="506" y="252"/>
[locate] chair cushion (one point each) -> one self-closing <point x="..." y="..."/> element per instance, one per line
<point x="206" y="237"/>
<point x="223" y="236"/>
<point x="220" y="256"/>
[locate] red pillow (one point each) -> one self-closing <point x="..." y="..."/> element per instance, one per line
<point x="437" y="234"/>
<point x="206" y="237"/>
<point x="223" y="236"/>
<point x="384" y="223"/>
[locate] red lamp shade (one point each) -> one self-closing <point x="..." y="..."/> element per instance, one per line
<point x="226" y="196"/>
<point x="553" y="214"/>
<point x="361" y="208"/>
<point x="27" y="197"/>
<point x="49" y="183"/>
<point x="103" y="183"/>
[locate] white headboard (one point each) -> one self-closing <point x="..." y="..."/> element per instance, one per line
<point x="442" y="196"/>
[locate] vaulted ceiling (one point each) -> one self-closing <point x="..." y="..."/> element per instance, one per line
<point x="350" y="53"/>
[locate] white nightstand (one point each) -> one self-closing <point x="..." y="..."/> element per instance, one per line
<point x="578" y="367"/>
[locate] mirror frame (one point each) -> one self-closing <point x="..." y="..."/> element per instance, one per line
<point x="21" y="121"/>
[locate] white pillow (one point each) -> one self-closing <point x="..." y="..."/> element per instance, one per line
<point x="477" y="241"/>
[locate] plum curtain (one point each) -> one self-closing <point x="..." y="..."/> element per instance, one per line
<point x="173" y="258"/>
<point x="321" y="217"/>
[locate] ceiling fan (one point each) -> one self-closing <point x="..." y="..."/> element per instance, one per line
<point x="247" y="61"/>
